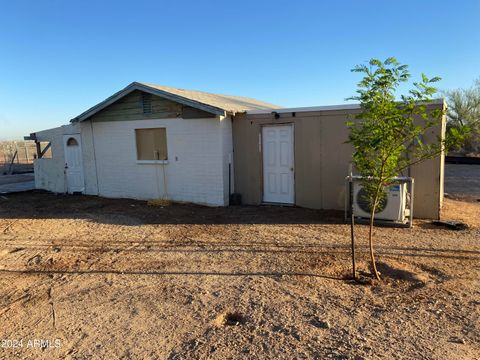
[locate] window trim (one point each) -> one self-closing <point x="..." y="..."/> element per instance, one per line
<point x="151" y="162"/>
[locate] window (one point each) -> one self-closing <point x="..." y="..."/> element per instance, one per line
<point x="151" y="144"/>
<point x="72" y="142"/>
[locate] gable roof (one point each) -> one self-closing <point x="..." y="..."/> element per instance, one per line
<point x="212" y="103"/>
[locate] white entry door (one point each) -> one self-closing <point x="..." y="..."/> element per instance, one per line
<point x="278" y="164"/>
<point x="73" y="163"/>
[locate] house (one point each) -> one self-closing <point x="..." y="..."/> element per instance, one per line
<point x="150" y="141"/>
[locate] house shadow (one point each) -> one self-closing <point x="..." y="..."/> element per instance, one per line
<point x="45" y="205"/>
<point x="127" y="212"/>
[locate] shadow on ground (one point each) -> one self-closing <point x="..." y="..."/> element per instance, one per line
<point x="44" y="205"/>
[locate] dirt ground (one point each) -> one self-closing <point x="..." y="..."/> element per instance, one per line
<point x="462" y="181"/>
<point x="100" y="278"/>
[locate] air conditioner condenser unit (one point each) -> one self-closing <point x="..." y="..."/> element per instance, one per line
<point x="392" y="207"/>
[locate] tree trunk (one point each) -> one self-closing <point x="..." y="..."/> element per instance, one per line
<point x="370" y="239"/>
<point x="352" y="228"/>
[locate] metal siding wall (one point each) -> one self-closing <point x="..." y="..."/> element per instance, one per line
<point x="321" y="161"/>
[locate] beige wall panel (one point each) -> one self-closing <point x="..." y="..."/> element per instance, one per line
<point x="336" y="157"/>
<point x="322" y="159"/>
<point x="247" y="163"/>
<point x="308" y="182"/>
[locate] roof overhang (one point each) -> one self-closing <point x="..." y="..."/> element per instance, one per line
<point x="138" y="86"/>
<point x="326" y="108"/>
<point x="32" y="136"/>
<point x="305" y="109"/>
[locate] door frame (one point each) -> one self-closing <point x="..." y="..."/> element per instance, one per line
<point x="262" y="175"/>
<point x="78" y="138"/>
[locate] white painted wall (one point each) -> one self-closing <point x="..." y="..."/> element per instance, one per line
<point x="199" y="151"/>
<point x="49" y="173"/>
<point x="48" y="176"/>
<point x="197" y="168"/>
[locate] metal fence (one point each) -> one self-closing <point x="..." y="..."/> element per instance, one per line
<point x="16" y="156"/>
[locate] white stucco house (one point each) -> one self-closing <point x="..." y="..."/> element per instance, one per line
<point x="155" y="142"/>
<point x="146" y="142"/>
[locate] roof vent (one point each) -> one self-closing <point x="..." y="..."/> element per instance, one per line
<point x="147" y="103"/>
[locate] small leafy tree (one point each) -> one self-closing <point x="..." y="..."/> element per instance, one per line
<point x="387" y="136"/>
<point x="464" y="110"/>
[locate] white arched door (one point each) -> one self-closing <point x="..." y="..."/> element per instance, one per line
<point x="74" y="178"/>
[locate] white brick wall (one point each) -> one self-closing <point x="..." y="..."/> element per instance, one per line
<point x="197" y="170"/>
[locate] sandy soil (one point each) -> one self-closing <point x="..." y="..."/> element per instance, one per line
<point x="114" y="279"/>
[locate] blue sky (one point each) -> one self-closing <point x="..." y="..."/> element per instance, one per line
<point x="58" y="57"/>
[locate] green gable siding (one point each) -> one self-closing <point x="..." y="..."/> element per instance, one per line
<point x="130" y="107"/>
